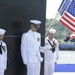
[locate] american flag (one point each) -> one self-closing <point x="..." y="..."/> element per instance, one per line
<point x="63" y="6"/>
<point x="68" y="18"/>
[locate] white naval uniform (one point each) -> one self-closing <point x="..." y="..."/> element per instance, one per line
<point x="30" y="52"/>
<point x="3" y="59"/>
<point x="49" y="57"/>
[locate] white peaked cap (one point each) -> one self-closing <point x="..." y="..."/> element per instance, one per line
<point x="52" y="31"/>
<point x="37" y="22"/>
<point x="2" y="31"/>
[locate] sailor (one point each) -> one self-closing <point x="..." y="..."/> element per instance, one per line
<point x="3" y="53"/>
<point x="30" y="52"/>
<point x="51" y="52"/>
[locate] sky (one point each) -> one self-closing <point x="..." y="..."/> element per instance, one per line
<point x="52" y="7"/>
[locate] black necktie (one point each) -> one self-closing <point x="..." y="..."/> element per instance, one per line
<point x="1" y="47"/>
<point x="53" y="48"/>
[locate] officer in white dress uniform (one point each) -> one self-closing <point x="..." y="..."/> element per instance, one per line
<point x="3" y="53"/>
<point x="51" y="52"/>
<point x="30" y="52"/>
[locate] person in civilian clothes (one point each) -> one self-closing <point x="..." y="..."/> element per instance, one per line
<point x="30" y="52"/>
<point x="51" y="52"/>
<point x="3" y="53"/>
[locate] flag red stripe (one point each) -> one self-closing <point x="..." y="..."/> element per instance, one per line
<point x="69" y="17"/>
<point x="67" y="26"/>
<point x="68" y="21"/>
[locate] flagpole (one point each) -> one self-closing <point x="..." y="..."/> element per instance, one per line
<point x="58" y="13"/>
<point x="63" y="14"/>
<point x="67" y="7"/>
<point x="54" y="20"/>
<point x="57" y="16"/>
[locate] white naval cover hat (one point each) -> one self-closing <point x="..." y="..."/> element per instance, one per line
<point x="2" y="31"/>
<point x="36" y="22"/>
<point x="52" y="31"/>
